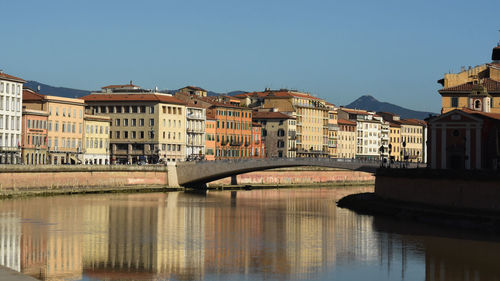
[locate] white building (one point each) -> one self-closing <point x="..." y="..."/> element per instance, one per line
<point x="11" y="89"/>
<point x="195" y="132"/>
<point x="368" y="132"/>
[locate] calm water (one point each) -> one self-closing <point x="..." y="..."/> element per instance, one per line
<point x="286" y="234"/>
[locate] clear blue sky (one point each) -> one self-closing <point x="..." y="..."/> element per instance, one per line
<point x="337" y="50"/>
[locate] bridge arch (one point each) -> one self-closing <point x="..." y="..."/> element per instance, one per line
<point x="197" y="174"/>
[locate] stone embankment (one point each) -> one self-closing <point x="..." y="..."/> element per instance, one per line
<point x="18" y="180"/>
<point x="469" y="199"/>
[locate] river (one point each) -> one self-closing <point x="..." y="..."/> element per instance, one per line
<point x="274" y="234"/>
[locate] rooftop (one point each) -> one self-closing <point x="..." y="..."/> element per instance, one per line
<point x="8" y="77"/>
<point x="489" y="84"/>
<point x="132" y="98"/>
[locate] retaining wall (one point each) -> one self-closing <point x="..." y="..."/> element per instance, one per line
<point x="445" y="189"/>
<point x="299" y="176"/>
<point x="51" y="177"/>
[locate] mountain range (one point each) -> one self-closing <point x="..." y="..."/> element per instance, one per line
<point x="366" y="102"/>
<point x="370" y="103"/>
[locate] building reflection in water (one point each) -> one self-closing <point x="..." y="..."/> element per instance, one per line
<point x="264" y="234"/>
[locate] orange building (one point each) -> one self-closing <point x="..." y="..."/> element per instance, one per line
<point x="210" y="132"/>
<point x="34" y="136"/>
<point x="258" y="146"/>
<point x="64" y="125"/>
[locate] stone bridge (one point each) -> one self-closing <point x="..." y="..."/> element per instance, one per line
<point x="197" y="174"/>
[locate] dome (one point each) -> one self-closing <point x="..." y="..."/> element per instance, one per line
<point x="495" y="55"/>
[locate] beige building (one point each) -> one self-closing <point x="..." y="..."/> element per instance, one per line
<point x="311" y="113"/>
<point x="346" y="144"/>
<point x="413" y="140"/>
<point x="146" y="126"/>
<point x="64" y="126"/>
<point x="333" y="130"/>
<point x="192" y="90"/>
<point x="476" y="88"/>
<point x="96" y="137"/>
<point x="395" y="141"/>
<point x="278" y="133"/>
<point x="368" y="132"/>
<point x="195" y="132"/>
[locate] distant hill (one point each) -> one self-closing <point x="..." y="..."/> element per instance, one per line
<point x="369" y="103"/>
<point x="233" y="93"/>
<point x="56" y="91"/>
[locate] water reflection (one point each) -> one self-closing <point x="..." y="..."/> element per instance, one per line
<point x="263" y="234"/>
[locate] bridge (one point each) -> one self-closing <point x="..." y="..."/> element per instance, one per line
<point x="197" y="174"/>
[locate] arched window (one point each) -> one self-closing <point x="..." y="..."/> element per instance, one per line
<point x="477" y="104"/>
<point x="281" y="133"/>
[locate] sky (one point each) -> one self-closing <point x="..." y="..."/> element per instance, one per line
<point x="336" y="50"/>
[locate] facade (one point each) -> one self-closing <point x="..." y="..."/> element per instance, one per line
<point x="233" y="124"/>
<point x="146" y="126"/>
<point x="333" y="130"/>
<point x="476" y="88"/>
<point x="192" y="90"/>
<point x="195" y="132"/>
<point x="96" y="136"/>
<point x="278" y="133"/>
<point x="34" y="137"/>
<point x="395" y="141"/>
<point x="464" y="139"/>
<point x="10" y="118"/>
<point x="346" y="145"/>
<point x="413" y="140"/>
<point x="311" y="113"/>
<point x="368" y="132"/>
<point x="210" y="132"/>
<point x="64" y="126"/>
<point x="258" y="146"/>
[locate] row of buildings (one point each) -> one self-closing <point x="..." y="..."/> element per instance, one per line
<point x="125" y="124"/>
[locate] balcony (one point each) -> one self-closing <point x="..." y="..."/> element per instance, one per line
<point x="223" y="142"/>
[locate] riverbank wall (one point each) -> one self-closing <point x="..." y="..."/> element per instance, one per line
<point x="18" y="179"/>
<point x="477" y="190"/>
<point x="299" y="176"/>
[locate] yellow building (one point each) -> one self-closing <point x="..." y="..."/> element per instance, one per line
<point x="96" y="137"/>
<point x="476" y="88"/>
<point x="146" y="126"/>
<point x="413" y="139"/>
<point x="333" y="130"/>
<point x="346" y="144"/>
<point x="64" y="128"/>
<point x="395" y="140"/>
<point x="311" y="113"/>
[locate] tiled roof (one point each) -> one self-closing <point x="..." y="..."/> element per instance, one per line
<point x="194" y="88"/>
<point x="394" y="124"/>
<point x="11" y="78"/>
<point x="346" y="122"/>
<point x="255" y="124"/>
<point x="30" y="95"/>
<point x="355" y="111"/>
<point x="413" y="122"/>
<point x="132" y="97"/>
<point x="491" y="86"/>
<point x="485" y="114"/>
<point x="271" y="115"/>
<point x="120" y="86"/>
<point x="277" y="94"/>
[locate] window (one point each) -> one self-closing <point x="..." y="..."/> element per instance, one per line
<point x="151" y="122"/>
<point x="454" y="102"/>
<point x="117" y="122"/>
<point x="134" y="122"/>
<point x="141" y="122"/>
<point x="125" y="122"/>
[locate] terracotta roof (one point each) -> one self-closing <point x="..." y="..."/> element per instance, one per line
<point x="30" y="95"/>
<point x="413" y="122"/>
<point x="486" y="114"/>
<point x="255" y="124"/>
<point x="394" y="124"/>
<point x="120" y="86"/>
<point x="491" y="86"/>
<point x="355" y="111"/>
<point x="132" y="97"/>
<point x="346" y="122"/>
<point x="276" y="94"/>
<point x="271" y="115"/>
<point x="194" y="88"/>
<point x="11" y="78"/>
